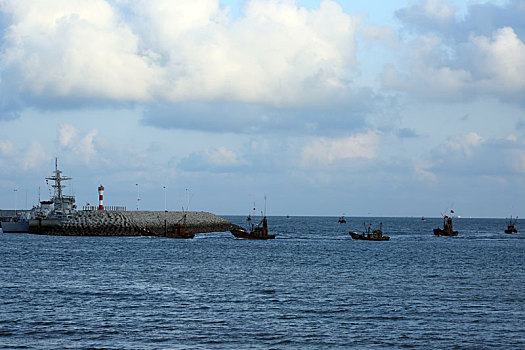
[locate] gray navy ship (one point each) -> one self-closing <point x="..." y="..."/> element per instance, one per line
<point x="59" y="207"/>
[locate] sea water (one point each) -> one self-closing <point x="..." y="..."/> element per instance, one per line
<point x="313" y="287"/>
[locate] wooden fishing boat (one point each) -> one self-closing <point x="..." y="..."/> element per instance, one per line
<point x="178" y="230"/>
<point x="447" y="230"/>
<point x="259" y="231"/>
<point x="370" y="235"/>
<point x="342" y="220"/>
<point x="511" y="226"/>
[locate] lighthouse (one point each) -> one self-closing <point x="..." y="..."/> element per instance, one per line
<point x="100" y="197"/>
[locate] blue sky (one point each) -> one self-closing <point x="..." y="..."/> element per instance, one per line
<point x="403" y="108"/>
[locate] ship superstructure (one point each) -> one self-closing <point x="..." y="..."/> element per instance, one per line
<point x="60" y="205"/>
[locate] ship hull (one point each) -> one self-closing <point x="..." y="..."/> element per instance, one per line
<point x="15" y="227"/>
<point x="242" y="234"/>
<point x="363" y="237"/>
<point x="179" y="231"/>
<point x="439" y="232"/>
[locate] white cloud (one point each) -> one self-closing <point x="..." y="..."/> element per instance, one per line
<point x="480" y="55"/>
<point x="6" y="147"/>
<point x="430" y="13"/>
<point x="221" y="157"/>
<point x="423" y="172"/>
<point x="466" y="143"/>
<point x="500" y="61"/>
<point x="384" y="35"/>
<point x="74" y="49"/>
<point x="66" y="133"/>
<point x="80" y="147"/>
<point x="519" y="163"/>
<point x="481" y="66"/>
<point x="427" y="72"/>
<point x="34" y="157"/>
<point x="86" y="148"/>
<point x="439" y="10"/>
<point x="278" y="53"/>
<point x="220" y="160"/>
<point x="322" y="151"/>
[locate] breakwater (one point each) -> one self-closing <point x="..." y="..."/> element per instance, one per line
<point x="129" y="223"/>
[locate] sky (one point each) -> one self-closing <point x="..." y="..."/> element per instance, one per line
<point x="332" y="107"/>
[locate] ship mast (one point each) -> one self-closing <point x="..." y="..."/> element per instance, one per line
<point x="58" y="178"/>
<point x="62" y="204"/>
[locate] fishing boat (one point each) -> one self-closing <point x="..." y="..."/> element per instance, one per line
<point x="178" y="230"/>
<point x="259" y="231"/>
<point x="447" y="230"/>
<point x="342" y="220"/>
<point x="511" y="226"/>
<point x="370" y="235"/>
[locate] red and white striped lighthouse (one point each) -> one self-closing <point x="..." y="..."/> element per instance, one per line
<point x="100" y="197"/>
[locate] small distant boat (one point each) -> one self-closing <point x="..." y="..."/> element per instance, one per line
<point x="511" y="226"/>
<point x="447" y="230"/>
<point x="369" y="235"/>
<point x="342" y="220"/>
<point x="422" y="218"/>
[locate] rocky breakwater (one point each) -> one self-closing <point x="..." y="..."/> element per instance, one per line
<point x="129" y="223"/>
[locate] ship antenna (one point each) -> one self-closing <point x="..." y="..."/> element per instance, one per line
<point x="264" y="205"/>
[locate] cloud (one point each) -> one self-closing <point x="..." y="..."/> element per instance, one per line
<point x="456" y="59"/>
<point x="384" y="35"/>
<point x="465" y="143"/>
<point x="278" y="53"/>
<point x="6" y="147"/>
<point x="66" y="134"/>
<point x="221" y="157"/>
<point x="472" y="155"/>
<point x="73" y="49"/>
<point x="80" y="147"/>
<point x="9" y="107"/>
<point x="520" y="124"/>
<point x="519" y="163"/>
<point x="482" y="66"/>
<point x="423" y="172"/>
<point x="34" y="157"/>
<point x="221" y="160"/>
<point x="248" y="118"/>
<point x="428" y="15"/>
<point x="405" y="133"/>
<point x="323" y="152"/>
<point x="501" y="63"/>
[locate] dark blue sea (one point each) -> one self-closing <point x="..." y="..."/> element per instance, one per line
<point x="313" y="287"/>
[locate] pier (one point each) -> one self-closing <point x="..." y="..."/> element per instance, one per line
<point x="129" y="223"/>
